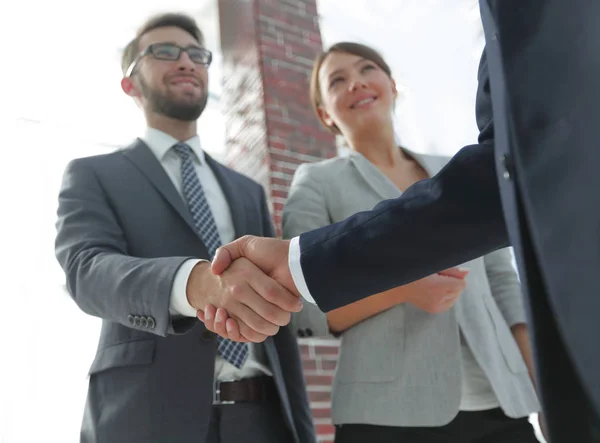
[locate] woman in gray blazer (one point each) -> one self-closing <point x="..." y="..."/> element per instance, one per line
<point x="444" y="359"/>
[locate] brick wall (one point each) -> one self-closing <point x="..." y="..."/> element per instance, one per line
<point x="268" y="50"/>
<point x="319" y="358"/>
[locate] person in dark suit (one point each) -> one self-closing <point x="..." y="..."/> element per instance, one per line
<point x="530" y="181"/>
<point x="135" y="228"/>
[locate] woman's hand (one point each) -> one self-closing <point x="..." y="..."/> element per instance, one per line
<point x="438" y="292"/>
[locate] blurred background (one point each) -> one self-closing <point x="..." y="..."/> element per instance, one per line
<point x="61" y="99"/>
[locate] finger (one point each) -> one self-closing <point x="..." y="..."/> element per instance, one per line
<point x="251" y="335"/>
<point x="209" y="317"/>
<point x="455" y="272"/>
<point x="233" y="331"/>
<point x="253" y="310"/>
<point x="220" y="319"/>
<point x="453" y="285"/>
<point x="267" y="311"/>
<point x="274" y="293"/>
<point x="225" y="255"/>
<point x="247" y="333"/>
<point x="200" y="315"/>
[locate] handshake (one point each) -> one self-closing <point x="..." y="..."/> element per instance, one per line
<point x="248" y="291"/>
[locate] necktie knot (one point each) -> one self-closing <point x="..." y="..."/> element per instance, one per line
<point x="182" y="150"/>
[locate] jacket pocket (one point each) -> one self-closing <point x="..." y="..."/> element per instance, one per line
<point x="131" y="353"/>
<point x="373" y="350"/>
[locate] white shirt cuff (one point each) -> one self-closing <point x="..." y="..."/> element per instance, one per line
<point x="179" y="304"/>
<point x="296" y="270"/>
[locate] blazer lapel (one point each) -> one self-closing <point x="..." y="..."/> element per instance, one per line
<point x="379" y="181"/>
<point x="234" y="199"/>
<point x="382" y="185"/>
<point x="141" y="156"/>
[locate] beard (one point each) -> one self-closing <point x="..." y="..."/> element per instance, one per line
<point x="170" y="107"/>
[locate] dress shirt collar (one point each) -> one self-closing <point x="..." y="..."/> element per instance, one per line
<point x="160" y="143"/>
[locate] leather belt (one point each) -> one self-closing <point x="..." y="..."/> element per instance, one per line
<point x="249" y="389"/>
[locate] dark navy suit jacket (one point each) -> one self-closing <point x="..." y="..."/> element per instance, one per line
<point x="531" y="181"/>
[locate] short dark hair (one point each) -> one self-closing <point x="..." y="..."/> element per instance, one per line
<point x="178" y="20"/>
<point x="352" y="48"/>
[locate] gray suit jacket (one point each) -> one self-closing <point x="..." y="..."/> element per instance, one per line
<point x="123" y="231"/>
<point x="403" y="366"/>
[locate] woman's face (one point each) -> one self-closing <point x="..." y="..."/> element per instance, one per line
<point x="356" y="93"/>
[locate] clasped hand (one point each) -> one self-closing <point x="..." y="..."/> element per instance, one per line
<point x="250" y="286"/>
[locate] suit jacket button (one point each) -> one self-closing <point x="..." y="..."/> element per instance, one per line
<point x="130" y="319"/>
<point x="506" y="166"/>
<point x="137" y="321"/>
<point x="309" y="332"/>
<point x="151" y="323"/>
<point x="208" y="335"/>
<point x="144" y="322"/>
<point x="301" y="333"/>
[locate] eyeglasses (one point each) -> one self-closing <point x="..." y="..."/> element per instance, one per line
<point x="172" y="52"/>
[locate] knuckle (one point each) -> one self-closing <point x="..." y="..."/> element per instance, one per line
<point x="271" y="292"/>
<point x="273" y="314"/>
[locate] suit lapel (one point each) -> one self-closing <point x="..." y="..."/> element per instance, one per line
<point x="234" y="197"/>
<point x="141" y="156"/>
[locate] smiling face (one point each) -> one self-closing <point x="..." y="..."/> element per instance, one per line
<point x="356" y="94"/>
<point x="174" y="88"/>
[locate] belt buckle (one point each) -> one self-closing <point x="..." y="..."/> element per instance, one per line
<point x="217" y="393"/>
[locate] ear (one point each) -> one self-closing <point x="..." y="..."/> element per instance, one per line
<point x="325" y="117"/>
<point x="129" y="87"/>
<point x="394" y="89"/>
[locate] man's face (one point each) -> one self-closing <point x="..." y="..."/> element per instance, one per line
<point x="177" y="89"/>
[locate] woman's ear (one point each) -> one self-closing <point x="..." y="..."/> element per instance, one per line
<point x="394" y="89"/>
<point x="325" y="117"/>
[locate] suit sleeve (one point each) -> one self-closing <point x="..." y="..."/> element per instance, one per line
<point x="437" y="223"/>
<point x="102" y="278"/>
<point x="306" y="209"/>
<point x="505" y="286"/>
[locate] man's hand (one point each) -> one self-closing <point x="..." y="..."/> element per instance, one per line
<point x="438" y="292"/>
<point x="258" y="303"/>
<point x="269" y="254"/>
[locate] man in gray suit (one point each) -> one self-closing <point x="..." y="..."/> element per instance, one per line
<point x="133" y="229"/>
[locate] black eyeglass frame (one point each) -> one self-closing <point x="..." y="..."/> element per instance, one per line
<point x="150" y="51"/>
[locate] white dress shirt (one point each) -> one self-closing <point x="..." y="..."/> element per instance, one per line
<point x="160" y="144"/>
<point x="296" y="270"/>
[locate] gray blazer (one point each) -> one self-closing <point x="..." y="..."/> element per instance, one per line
<point x="403" y="366"/>
<point x="123" y="231"/>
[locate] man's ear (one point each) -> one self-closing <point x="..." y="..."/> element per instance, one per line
<point x="128" y="86"/>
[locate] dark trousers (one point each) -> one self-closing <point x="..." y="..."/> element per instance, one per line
<point x="248" y="422"/>
<point x="491" y="426"/>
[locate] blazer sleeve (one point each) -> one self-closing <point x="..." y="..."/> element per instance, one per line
<point x="305" y="210"/>
<point x="91" y="248"/>
<point x="505" y="286"/>
<point x="437" y="223"/>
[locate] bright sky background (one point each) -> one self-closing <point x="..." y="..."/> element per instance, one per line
<point x="61" y="99"/>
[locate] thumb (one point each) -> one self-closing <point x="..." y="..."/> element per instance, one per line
<point x="225" y="255"/>
<point x="455" y="272"/>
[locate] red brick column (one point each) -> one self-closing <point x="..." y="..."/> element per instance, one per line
<point x="268" y="49"/>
